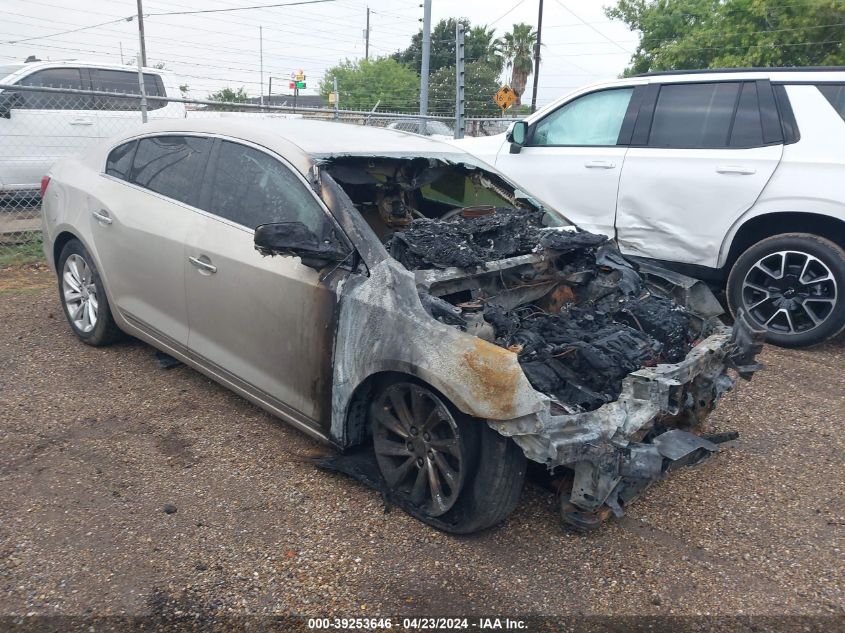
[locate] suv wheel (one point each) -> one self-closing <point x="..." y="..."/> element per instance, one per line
<point x="451" y="471"/>
<point x="794" y="286"/>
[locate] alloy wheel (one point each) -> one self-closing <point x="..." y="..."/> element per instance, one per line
<point x="79" y="293"/>
<point x="789" y="292"/>
<point x="418" y="446"/>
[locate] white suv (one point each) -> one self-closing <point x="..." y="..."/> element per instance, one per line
<point x="39" y="127"/>
<point x="732" y="176"/>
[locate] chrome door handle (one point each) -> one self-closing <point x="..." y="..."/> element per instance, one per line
<point x="599" y="164"/>
<point x="203" y="265"/>
<point x="82" y="122"/>
<point x="735" y="169"/>
<point x="102" y="217"/>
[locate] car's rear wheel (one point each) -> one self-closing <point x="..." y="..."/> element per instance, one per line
<point x="83" y="297"/>
<point x="451" y="471"/>
<point x="794" y="286"/>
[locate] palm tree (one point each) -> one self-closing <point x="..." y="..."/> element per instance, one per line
<point x="518" y="48"/>
<point x="482" y="45"/>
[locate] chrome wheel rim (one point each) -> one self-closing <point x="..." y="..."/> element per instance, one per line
<point x="418" y="447"/>
<point x="79" y="293"/>
<point x="789" y="292"/>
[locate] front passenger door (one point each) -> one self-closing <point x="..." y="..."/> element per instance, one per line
<point x="263" y="324"/>
<point x="572" y="158"/>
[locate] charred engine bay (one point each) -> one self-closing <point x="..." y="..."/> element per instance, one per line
<point x="576" y="313"/>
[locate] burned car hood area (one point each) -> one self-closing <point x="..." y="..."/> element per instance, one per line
<point x="598" y="368"/>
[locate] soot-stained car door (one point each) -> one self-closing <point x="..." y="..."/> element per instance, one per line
<point x="263" y="324"/>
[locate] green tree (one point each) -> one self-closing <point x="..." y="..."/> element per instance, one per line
<point x="362" y="83"/>
<point x="481" y="81"/>
<point x="689" y="34"/>
<point x="518" y="49"/>
<point x="480" y="44"/>
<point x="227" y="95"/>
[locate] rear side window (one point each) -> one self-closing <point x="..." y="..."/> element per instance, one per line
<point x="171" y="165"/>
<point x="835" y="93"/>
<point x="120" y="160"/>
<point x="747" y="128"/>
<point x="126" y="82"/>
<point x="592" y="120"/>
<point x="694" y="115"/>
<point x="252" y="188"/>
<point x="53" y="78"/>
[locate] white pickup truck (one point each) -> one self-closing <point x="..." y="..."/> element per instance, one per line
<point x="39" y="127"/>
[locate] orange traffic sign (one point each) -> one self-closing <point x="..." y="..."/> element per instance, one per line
<point x="505" y="97"/>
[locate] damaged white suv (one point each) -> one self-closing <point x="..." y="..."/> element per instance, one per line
<point x="416" y="310"/>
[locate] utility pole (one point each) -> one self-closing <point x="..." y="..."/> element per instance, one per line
<point x="367" y="37"/>
<point x="141" y="34"/>
<point x="336" y="97"/>
<point x="143" y="90"/>
<point x="121" y="54"/>
<point x="537" y="58"/>
<point x="261" y="61"/>
<point x="426" y="54"/>
<point x="460" y="123"/>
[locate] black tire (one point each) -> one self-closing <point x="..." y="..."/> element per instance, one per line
<point x="802" y="306"/>
<point x="104" y="330"/>
<point x="491" y="471"/>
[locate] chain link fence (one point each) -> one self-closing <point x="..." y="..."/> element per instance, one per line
<point x="40" y="125"/>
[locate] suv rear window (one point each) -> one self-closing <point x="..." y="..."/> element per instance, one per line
<point x="124" y="81"/>
<point x="694" y="115"/>
<point x="835" y="93"/>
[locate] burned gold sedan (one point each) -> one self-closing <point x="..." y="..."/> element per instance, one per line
<point x="400" y="300"/>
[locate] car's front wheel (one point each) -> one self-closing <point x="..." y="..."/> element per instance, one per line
<point x="83" y="296"/>
<point x="794" y="286"/>
<point x="443" y="467"/>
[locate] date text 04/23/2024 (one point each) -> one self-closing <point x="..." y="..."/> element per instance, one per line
<point x="418" y="623"/>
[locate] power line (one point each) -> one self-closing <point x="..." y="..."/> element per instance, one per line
<point x="260" y="6"/>
<point x="82" y="28"/>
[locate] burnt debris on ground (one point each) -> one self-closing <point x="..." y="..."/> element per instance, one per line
<point x="577" y="351"/>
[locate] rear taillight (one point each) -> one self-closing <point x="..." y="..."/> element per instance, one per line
<point x="45" y="181"/>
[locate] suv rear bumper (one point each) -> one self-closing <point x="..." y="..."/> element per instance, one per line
<point x="619" y="449"/>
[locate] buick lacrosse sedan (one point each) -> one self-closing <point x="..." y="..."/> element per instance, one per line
<point x="400" y="300"/>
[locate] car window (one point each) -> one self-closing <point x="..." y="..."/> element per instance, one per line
<point x="591" y="120"/>
<point x="835" y="94"/>
<point x="694" y="115"/>
<point x="53" y="78"/>
<point x="747" y="130"/>
<point x="120" y="160"/>
<point x="253" y="188"/>
<point x="124" y="81"/>
<point x="171" y="165"/>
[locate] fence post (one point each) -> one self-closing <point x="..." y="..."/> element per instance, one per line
<point x="336" y="96"/>
<point x="143" y="91"/>
<point x="460" y="124"/>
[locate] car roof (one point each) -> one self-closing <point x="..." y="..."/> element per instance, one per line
<point x="79" y="63"/>
<point x="307" y="139"/>
<point x="775" y="70"/>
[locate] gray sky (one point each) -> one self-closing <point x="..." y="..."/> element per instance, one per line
<point x="211" y="51"/>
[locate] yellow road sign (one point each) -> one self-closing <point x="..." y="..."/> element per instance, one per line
<point x="505" y="97"/>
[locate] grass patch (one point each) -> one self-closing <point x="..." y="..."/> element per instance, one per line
<point x="19" y="254"/>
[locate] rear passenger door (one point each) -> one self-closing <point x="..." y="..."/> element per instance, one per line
<point x="700" y="155"/>
<point x="140" y="221"/>
<point x="46" y="126"/>
<point x="263" y="324"/>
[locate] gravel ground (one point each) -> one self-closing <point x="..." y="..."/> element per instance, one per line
<point x="97" y="442"/>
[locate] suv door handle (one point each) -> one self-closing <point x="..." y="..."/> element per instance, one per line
<point x="735" y="169"/>
<point x="599" y="164"/>
<point x="203" y="266"/>
<point x="82" y="121"/>
<point x="102" y="216"/>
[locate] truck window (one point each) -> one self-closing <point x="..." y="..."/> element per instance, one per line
<point x="694" y="115"/>
<point x="124" y="81"/>
<point x="54" y="78"/>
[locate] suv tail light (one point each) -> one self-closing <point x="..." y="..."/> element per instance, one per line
<point x="45" y="180"/>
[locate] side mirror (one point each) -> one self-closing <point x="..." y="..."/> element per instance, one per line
<point x="9" y="100"/>
<point x="517" y="135"/>
<point x="294" y="239"/>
